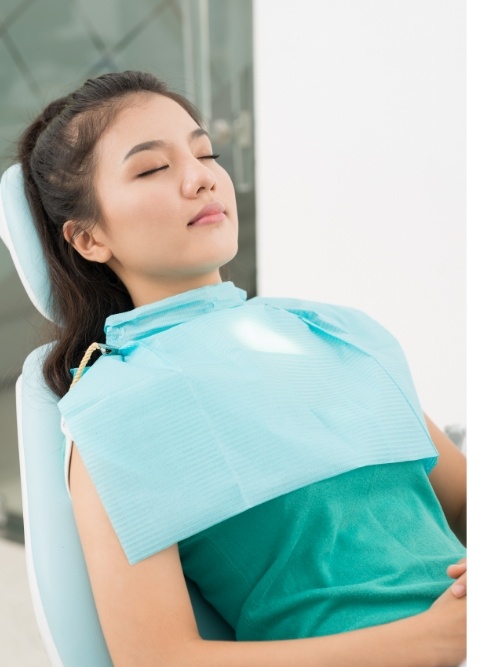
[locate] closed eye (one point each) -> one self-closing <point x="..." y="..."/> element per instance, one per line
<point x="152" y="171"/>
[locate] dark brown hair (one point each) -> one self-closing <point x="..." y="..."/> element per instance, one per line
<point x="57" y="154"/>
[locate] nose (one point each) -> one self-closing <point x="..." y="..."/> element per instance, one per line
<point x="197" y="176"/>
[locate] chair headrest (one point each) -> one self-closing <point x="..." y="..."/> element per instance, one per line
<point x="17" y="231"/>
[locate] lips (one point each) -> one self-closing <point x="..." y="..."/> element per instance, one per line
<point x="210" y="212"/>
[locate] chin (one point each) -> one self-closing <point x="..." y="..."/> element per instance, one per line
<point x="224" y="255"/>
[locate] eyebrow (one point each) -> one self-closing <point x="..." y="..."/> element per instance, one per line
<point x="159" y="143"/>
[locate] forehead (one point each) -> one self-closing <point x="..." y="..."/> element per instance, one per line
<point x="146" y="117"/>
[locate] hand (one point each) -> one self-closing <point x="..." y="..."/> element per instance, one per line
<point x="447" y="628"/>
<point x="459" y="571"/>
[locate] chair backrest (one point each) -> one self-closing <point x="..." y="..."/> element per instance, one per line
<point x="58" y="579"/>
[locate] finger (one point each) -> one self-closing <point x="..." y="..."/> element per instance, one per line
<point x="459" y="589"/>
<point x="456" y="569"/>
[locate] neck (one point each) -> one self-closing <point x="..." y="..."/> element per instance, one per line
<point x="144" y="292"/>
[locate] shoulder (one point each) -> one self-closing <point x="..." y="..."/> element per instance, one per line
<point x="333" y="318"/>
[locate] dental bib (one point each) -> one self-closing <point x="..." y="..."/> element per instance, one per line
<point x="210" y="404"/>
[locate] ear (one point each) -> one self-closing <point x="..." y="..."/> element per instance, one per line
<point x="87" y="242"/>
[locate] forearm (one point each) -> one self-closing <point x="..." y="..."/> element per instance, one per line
<point x="403" y="643"/>
<point x="449" y="480"/>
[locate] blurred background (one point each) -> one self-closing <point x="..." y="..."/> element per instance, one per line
<point x="343" y="128"/>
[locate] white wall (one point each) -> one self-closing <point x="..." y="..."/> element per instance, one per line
<point x="360" y="157"/>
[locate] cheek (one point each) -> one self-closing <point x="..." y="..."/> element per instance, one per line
<point x="150" y="212"/>
<point x="156" y="203"/>
<point x="224" y="180"/>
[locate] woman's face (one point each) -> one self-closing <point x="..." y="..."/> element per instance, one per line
<point x="154" y="176"/>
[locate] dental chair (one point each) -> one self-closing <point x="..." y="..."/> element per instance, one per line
<point x="59" y="584"/>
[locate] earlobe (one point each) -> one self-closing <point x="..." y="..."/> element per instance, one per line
<point x="86" y="243"/>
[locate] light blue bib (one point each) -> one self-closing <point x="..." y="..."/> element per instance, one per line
<point x="213" y="404"/>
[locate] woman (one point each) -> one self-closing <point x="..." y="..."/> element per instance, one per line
<point x="271" y="449"/>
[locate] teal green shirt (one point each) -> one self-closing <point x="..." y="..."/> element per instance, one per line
<point x="360" y="549"/>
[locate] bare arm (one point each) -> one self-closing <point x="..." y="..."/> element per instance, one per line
<point x="148" y="621"/>
<point x="449" y="480"/>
